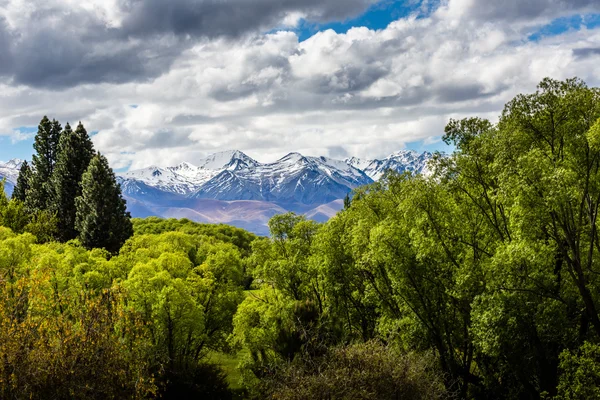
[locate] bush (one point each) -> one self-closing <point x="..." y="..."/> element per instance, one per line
<point x="580" y="378"/>
<point x="363" y="371"/>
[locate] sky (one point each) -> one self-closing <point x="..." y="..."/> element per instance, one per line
<point x="159" y="82"/>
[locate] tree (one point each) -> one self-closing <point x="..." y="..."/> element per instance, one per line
<point x="22" y="186"/>
<point x="102" y="219"/>
<point x="347" y="201"/>
<point x="54" y="140"/>
<point x="85" y="142"/>
<point x="75" y="153"/>
<point x="38" y="196"/>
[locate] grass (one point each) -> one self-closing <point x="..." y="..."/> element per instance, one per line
<point x="229" y="363"/>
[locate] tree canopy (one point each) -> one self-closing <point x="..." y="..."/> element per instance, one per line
<point x="481" y="280"/>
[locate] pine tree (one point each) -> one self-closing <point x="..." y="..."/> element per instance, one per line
<point x="54" y="139"/>
<point x="102" y="217"/>
<point x="75" y="151"/>
<point x="22" y="186"/>
<point x="347" y="201"/>
<point x="37" y="197"/>
<point x="86" y="146"/>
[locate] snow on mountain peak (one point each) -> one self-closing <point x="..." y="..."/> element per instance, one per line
<point x="14" y="163"/>
<point x="185" y="166"/>
<point x="227" y="159"/>
<point x="292" y="158"/>
<point x="10" y="170"/>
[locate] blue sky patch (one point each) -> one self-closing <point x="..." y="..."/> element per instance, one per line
<point x="565" y="24"/>
<point x="23" y="148"/>
<point x="378" y="16"/>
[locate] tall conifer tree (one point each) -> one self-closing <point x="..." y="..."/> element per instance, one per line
<point x="38" y="195"/>
<point x="22" y="186"/>
<point x="55" y="132"/>
<point x="86" y="147"/>
<point x="75" y="152"/>
<point x="102" y="218"/>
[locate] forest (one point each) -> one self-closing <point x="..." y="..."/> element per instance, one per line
<point x="481" y="281"/>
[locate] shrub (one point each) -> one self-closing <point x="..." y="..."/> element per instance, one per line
<point x="362" y="371"/>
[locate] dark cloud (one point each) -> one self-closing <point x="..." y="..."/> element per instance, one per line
<point x="463" y="92"/>
<point x="586" y="52"/>
<point x="348" y="79"/>
<point x="192" y="119"/>
<point x="214" y="18"/>
<point x="61" y="48"/>
<point x="5" y="48"/>
<point x="512" y="10"/>
<point x="55" y="59"/>
<point x="168" y="138"/>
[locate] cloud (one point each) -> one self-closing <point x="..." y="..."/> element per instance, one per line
<point x="202" y="86"/>
<point x="584" y="52"/>
<point x="212" y="18"/>
<point x="60" y="44"/>
<point x="530" y="11"/>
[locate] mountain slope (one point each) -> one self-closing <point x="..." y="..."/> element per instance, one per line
<point x="231" y="187"/>
<point x="292" y="179"/>
<point x="401" y="161"/>
<point x="10" y="171"/>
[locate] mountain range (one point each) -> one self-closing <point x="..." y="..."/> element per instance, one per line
<point x="231" y="187"/>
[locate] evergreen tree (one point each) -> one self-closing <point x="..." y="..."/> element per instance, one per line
<point x="86" y="147"/>
<point x="55" y="133"/>
<point x="347" y="201"/>
<point x="74" y="155"/>
<point x="22" y="186"/>
<point x="102" y="218"/>
<point x="38" y="196"/>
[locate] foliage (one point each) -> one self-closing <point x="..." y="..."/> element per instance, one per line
<point x="14" y="215"/>
<point x="492" y="262"/>
<point x="38" y="196"/>
<point x="363" y="371"/>
<point x="58" y="340"/>
<point x="78" y="323"/>
<point x="75" y="155"/>
<point x="225" y="233"/>
<point x="581" y="373"/>
<point x="22" y="186"/>
<point x="101" y="216"/>
<point x="47" y="193"/>
<point x="480" y="281"/>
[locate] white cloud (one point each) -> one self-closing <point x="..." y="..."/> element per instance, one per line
<point x="364" y="92"/>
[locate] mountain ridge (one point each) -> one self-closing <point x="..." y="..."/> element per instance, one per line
<point x="232" y="187"/>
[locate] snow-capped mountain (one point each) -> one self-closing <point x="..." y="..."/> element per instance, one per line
<point x="10" y="171"/>
<point x="185" y="178"/>
<point x="292" y="179"/>
<point x="295" y="178"/>
<point x="232" y="176"/>
<point x="231" y="187"/>
<point x="404" y="160"/>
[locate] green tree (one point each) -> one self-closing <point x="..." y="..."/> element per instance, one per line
<point x="22" y="186"/>
<point x="12" y="213"/>
<point x="347" y="201"/>
<point x="42" y="165"/>
<point x="581" y="373"/>
<point x="102" y="219"/>
<point x="54" y="141"/>
<point x="75" y="153"/>
<point x="283" y="261"/>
